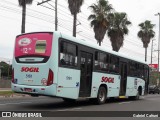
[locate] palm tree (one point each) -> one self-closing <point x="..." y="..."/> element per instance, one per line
<point x="117" y="30"/>
<point x="99" y="19"/>
<point x="74" y="7"/>
<point x="145" y="34"/>
<point x="23" y="3"/>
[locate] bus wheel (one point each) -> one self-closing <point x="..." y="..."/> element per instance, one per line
<point x="69" y="100"/>
<point x="101" y="97"/>
<point x="137" y="97"/>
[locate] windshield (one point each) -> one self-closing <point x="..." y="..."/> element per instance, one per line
<point x="33" y="47"/>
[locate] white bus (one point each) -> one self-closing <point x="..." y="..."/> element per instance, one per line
<point x="54" y="64"/>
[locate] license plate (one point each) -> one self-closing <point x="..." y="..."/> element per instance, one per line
<point x="28" y="89"/>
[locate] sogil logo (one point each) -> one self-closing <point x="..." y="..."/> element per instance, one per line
<point x="107" y="79"/>
<point x="24" y="41"/>
<point x="29" y="69"/>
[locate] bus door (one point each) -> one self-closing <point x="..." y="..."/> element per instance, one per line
<point x="86" y="62"/>
<point x="123" y="81"/>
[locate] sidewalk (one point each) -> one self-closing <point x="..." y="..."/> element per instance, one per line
<point x="5" y="89"/>
<point x="14" y="95"/>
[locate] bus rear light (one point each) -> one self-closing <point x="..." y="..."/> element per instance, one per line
<point x="50" y="78"/>
<point x="15" y="81"/>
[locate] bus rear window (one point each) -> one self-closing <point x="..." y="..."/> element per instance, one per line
<point x="33" y="47"/>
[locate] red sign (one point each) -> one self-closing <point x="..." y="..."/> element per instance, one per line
<point x="153" y="66"/>
<point x="107" y="79"/>
<point x="31" y="69"/>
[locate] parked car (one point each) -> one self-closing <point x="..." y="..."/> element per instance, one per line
<point x="154" y="89"/>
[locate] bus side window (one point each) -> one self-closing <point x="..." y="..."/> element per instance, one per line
<point x="114" y="64"/>
<point x="132" y="69"/>
<point x="137" y="70"/>
<point x="141" y="71"/>
<point x="101" y="61"/>
<point x="96" y="64"/>
<point x="68" y="54"/>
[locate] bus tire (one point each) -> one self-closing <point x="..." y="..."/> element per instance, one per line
<point x="137" y="97"/>
<point x="101" y="97"/>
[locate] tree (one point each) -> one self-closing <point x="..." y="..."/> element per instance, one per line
<point x="117" y="30"/>
<point x="74" y="7"/>
<point x="6" y="69"/>
<point x="145" y="34"/>
<point x="23" y="3"/>
<point x="99" y="19"/>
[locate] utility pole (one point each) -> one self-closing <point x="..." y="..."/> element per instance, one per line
<point x="56" y="20"/>
<point x="152" y="50"/>
<point x="158" y="14"/>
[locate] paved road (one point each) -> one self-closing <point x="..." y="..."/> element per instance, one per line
<point x="148" y="103"/>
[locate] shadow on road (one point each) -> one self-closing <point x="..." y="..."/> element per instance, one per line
<point x="60" y="104"/>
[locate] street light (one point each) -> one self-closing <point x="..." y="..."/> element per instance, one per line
<point x="158" y="14"/>
<point x="152" y="50"/>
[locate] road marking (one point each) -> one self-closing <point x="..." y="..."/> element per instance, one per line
<point x="2" y="104"/>
<point x="69" y="109"/>
<point x="25" y="102"/>
<point x="124" y="102"/>
<point x="76" y="108"/>
<point x="15" y="103"/>
<point x="10" y="104"/>
<point x="63" y="110"/>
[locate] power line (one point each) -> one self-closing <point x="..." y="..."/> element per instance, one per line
<point x="49" y="21"/>
<point x="70" y="16"/>
<point x="38" y="12"/>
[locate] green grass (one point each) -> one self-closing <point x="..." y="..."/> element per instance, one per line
<point x="3" y="93"/>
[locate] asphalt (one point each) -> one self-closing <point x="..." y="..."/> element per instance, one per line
<point x="147" y="103"/>
<point x="48" y="104"/>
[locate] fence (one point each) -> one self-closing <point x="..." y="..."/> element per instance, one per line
<point x="5" y="83"/>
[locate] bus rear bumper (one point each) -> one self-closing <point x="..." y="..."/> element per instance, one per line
<point x="36" y="90"/>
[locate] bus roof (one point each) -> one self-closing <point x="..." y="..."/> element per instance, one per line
<point x="96" y="46"/>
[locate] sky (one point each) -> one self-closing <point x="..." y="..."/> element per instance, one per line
<point x="41" y="18"/>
